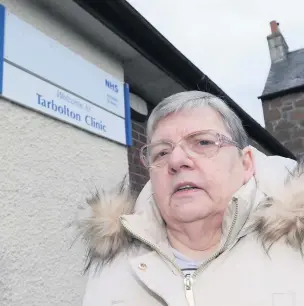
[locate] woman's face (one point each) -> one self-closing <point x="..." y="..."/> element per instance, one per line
<point x="217" y="178"/>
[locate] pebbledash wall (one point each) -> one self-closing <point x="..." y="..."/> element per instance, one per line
<point x="55" y="148"/>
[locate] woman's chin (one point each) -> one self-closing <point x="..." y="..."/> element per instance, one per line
<point x="190" y="211"/>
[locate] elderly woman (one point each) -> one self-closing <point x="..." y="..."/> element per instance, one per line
<point x="218" y="224"/>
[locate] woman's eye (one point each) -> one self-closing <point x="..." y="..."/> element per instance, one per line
<point x="159" y="155"/>
<point x="205" y="142"/>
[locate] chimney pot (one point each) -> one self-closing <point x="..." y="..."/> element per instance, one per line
<point x="276" y="42"/>
<point x="274" y="26"/>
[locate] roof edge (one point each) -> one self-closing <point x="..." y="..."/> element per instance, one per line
<point x="283" y="92"/>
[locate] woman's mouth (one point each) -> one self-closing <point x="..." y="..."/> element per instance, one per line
<point x="186" y="189"/>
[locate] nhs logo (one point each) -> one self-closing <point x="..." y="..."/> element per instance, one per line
<point x="111" y="85"/>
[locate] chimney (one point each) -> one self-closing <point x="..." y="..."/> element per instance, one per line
<point x="278" y="47"/>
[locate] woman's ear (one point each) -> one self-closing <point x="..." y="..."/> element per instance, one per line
<point x="248" y="164"/>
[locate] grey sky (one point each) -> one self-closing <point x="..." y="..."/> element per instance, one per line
<point x="226" y="39"/>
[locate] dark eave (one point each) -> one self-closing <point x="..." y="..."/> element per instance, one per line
<point x="281" y="93"/>
<point x="121" y="18"/>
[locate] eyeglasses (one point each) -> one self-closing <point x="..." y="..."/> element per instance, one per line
<point x="202" y="143"/>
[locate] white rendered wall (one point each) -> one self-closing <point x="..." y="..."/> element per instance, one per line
<point x="47" y="169"/>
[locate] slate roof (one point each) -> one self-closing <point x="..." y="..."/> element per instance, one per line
<point x="287" y="74"/>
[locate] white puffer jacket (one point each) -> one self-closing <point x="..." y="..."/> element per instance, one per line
<point x="260" y="262"/>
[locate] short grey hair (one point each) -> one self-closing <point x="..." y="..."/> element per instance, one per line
<point x="198" y="99"/>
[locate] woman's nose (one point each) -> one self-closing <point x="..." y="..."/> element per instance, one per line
<point x="178" y="160"/>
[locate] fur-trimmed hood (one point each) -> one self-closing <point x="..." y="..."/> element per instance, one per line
<point x="272" y="204"/>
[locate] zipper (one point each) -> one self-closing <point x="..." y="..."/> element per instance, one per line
<point x="216" y="254"/>
<point x="188" y="279"/>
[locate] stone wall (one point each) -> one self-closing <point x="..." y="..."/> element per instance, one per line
<point x="284" y="117"/>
